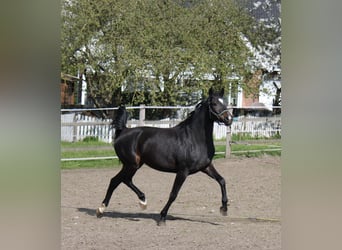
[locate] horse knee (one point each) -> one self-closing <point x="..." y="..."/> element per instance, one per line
<point x="172" y="197"/>
<point x="222" y="181"/>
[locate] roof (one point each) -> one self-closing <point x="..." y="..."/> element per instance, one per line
<point x="259" y="106"/>
<point x="68" y="77"/>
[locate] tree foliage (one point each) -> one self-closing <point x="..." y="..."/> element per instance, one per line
<point x="263" y="38"/>
<point x="152" y="51"/>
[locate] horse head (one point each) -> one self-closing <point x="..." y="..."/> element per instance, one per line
<point x="217" y="110"/>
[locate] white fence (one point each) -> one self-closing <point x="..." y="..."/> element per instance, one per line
<point x="257" y="126"/>
<point x="76" y="127"/>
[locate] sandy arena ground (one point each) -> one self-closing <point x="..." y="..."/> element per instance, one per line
<point x="194" y="220"/>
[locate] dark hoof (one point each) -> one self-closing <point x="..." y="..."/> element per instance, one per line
<point x="224" y="211"/>
<point x="161" y="222"/>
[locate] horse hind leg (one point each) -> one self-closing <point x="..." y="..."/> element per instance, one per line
<point x="129" y="182"/>
<point x="114" y="183"/>
<point x="125" y="176"/>
<point x="141" y="195"/>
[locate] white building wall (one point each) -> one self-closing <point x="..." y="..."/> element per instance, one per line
<point x="268" y="96"/>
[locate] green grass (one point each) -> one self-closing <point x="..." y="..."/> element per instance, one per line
<point x="87" y="153"/>
<point x="247" y="136"/>
<point x="90" y="164"/>
<point x="89" y="147"/>
<point x="247" y="150"/>
<point x="85" y="149"/>
<point x="83" y="144"/>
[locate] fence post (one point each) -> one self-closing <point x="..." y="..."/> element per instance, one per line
<point x="142" y="115"/>
<point x="228" y="142"/>
<point x="74" y="129"/>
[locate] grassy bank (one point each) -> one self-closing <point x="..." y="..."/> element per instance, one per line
<point x="94" y="148"/>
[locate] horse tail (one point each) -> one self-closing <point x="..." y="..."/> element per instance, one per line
<point x="119" y="123"/>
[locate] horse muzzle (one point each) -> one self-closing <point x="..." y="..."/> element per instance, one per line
<point x="227" y="120"/>
<point x="225" y="117"/>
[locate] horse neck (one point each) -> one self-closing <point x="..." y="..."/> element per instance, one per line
<point x="202" y="123"/>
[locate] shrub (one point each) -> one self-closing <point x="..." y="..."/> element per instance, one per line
<point x="91" y="139"/>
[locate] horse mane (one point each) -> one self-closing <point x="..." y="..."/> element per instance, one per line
<point x="119" y="122"/>
<point x="189" y="118"/>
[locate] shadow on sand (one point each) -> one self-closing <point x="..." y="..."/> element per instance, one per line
<point x="139" y="216"/>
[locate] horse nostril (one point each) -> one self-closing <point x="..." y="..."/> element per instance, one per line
<point x="228" y="119"/>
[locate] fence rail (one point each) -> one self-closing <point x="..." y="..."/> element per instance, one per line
<point x="218" y="153"/>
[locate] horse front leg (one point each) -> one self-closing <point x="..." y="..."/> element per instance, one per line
<point x="211" y="171"/>
<point x="180" y="178"/>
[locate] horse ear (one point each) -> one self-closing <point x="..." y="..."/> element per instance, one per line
<point x="211" y="91"/>
<point x="222" y="92"/>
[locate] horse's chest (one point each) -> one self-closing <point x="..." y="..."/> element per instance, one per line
<point x="196" y="156"/>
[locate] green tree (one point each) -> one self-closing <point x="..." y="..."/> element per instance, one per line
<point x="263" y="38"/>
<point x="219" y="25"/>
<point x="156" y="51"/>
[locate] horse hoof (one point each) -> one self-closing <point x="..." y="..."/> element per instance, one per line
<point x="98" y="213"/>
<point x="100" y="210"/>
<point x="224" y="211"/>
<point x="161" y="223"/>
<point x="143" y="204"/>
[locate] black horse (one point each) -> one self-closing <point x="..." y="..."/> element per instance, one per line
<point x="184" y="149"/>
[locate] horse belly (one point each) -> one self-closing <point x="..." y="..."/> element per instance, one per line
<point x="172" y="161"/>
<point x="160" y="161"/>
